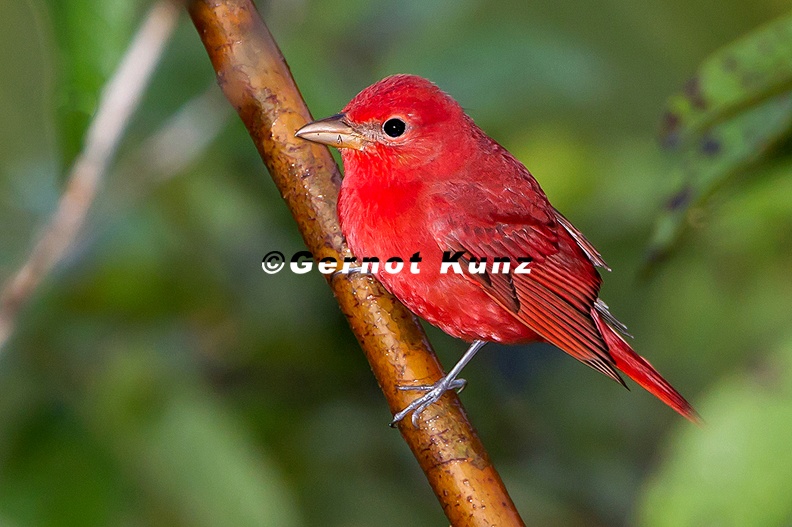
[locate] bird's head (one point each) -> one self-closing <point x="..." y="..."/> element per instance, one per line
<point x="402" y="119"/>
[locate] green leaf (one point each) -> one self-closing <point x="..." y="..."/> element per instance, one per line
<point x="738" y="77"/>
<point x="737" y="468"/>
<point x="725" y="150"/>
<point x="727" y="119"/>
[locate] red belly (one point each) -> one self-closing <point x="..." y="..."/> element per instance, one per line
<point x="384" y="229"/>
<point x="452" y="302"/>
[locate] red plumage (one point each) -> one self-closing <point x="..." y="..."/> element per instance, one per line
<point x="437" y="184"/>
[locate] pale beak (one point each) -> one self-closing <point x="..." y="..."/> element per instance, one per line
<point x="332" y="131"/>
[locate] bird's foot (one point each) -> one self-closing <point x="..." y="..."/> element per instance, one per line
<point x="348" y="271"/>
<point x="432" y="395"/>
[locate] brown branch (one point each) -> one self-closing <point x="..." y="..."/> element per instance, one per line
<point x="257" y="82"/>
<point x="118" y="102"/>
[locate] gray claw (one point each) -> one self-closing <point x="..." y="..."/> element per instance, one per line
<point x="432" y="395"/>
<point x="435" y="391"/>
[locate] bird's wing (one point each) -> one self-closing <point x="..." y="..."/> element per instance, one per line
<point x="586" y="246"/>
<point x="556" y="297"/>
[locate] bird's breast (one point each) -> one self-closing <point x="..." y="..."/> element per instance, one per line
<point x="387" y="222"/>
<point x="383" y="221"/>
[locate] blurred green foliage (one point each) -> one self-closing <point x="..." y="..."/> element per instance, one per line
<point x="159" y="377"/>
<point x="730" y="116"/>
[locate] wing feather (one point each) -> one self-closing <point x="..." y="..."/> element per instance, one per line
<point x="555" y="299"/>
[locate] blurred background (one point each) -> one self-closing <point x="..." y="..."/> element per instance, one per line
<point x="159" y="377"/>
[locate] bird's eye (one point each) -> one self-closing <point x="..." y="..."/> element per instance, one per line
<point x="394" y="127"/>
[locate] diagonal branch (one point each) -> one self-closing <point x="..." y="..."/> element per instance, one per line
<point x="257" y="82"/>
<point x="119" y="100"/>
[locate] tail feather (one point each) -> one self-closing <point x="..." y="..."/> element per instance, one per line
<point x="639" y="370"/>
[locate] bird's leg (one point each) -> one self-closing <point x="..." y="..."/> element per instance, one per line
<point x="349" y="271"/>
<point x="436" y="390"/>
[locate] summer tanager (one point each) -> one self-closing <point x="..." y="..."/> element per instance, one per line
<point x="421" y="177"/>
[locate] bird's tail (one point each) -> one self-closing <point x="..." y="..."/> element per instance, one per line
<point x="639" y="370"/>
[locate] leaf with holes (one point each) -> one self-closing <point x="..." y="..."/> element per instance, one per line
<point x="727" y="119"/>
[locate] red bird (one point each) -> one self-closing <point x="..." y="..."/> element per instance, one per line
<point x="421" y="177"/>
